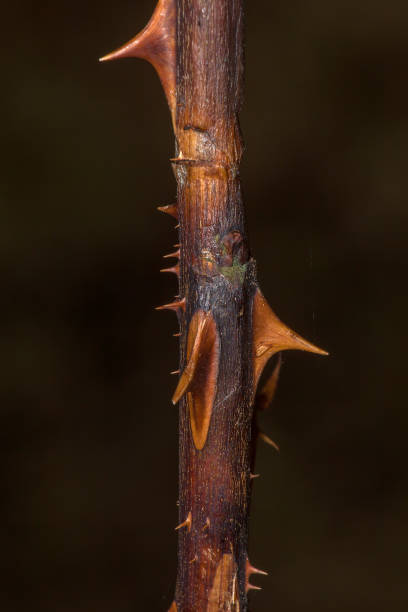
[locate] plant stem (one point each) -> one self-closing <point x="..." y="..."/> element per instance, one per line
<point x="228" y="331"/>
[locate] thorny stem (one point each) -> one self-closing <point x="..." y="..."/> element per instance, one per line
<point x="228" y="331"/>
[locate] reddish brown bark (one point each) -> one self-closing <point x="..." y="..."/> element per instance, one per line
<point x="228" y="331"/>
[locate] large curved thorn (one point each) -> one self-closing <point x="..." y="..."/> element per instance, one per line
<point x="270" y="336"/>
<point x="156" y="43"/>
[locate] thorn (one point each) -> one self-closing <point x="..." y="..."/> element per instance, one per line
<point x="174" y="270"/>
<point x="265" y="396"/>
<point x="199" y="377"/>
<point x="271" y="336"/>
<point x="252" y="570"/>
<point x="177" y="335"/>
<point x="177" y="226"/>
<point x="207" y="524"/>
<point x="251" y="587"/>
<point x="193" y="560"/>
<point x="201" y="318"/>
<point x="268" y="440"/>
<point x="170" y="209"/>
<point x="157" y="44"/>
<point x="252" y="476"/>
<point x="186" y="523"/>
<point x="176" y="254"/>
<point x="175" y="372"/>
<point x="179" y="305"/>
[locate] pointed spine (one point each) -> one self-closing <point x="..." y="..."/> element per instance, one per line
<point x="156" y="43"/>
<point x="174" y="270"/>
<point x="187" y="523"/>
<point x="271" y="336"/>
<point x="176" y="306"/>
<point x="170" y="209"/>
<point x="202" y="364"/>
<point x="268" y="440"/>
<point x="176" y="255"/>
<point x="249" y="570"/>
<point x="195" y="337"/>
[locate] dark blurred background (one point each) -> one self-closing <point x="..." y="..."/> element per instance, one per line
<point x="88" y="434"/>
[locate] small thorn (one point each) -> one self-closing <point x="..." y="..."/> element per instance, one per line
<point x="175" y="372"/>
<point x="186" y="523"/>
<point x="207" y="524"/>
<point x="176" y="246"/>
<point x="176" y="254"/>
<point x="170" y="209"/>
<point x="251" y="587"/>
<point x="174" y="270"/>
<point x="179" y="305"/>
<point x="252" y="570"/>
<point x="268" y="440"/>
<point x="193" y="560"/>
<point x="252" y="476"/>
<point x="177" y="335"/>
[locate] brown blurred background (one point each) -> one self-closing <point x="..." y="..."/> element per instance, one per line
<point x="88" y="434"/>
